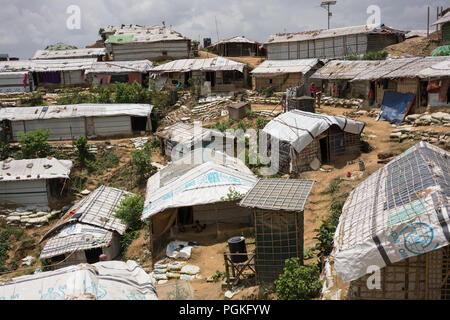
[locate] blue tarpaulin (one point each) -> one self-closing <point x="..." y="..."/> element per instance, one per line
<point x="395" y="106"/>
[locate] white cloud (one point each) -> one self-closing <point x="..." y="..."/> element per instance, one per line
<point x="26" y="26"/>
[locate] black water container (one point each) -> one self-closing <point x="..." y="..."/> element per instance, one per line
<point x="237" y="245"/>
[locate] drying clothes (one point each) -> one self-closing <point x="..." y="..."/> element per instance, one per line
<point x="51" y="77"/>
<point x="25" y="78"/>
<point x="433" y="87"/>
<point x="134" y="77"/>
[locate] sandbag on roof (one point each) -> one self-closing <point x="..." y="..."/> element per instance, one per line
<point x="299" y="128"/>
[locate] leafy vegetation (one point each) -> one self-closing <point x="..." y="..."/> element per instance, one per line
<point x="6" y="232"/>
<point x="129" y="212"/>
<point x="34" y="144"/>
<point x="298" y="282"/>
<point x="268" y="92"/>
<point x="141" y="162"/>
<point x="333" y="186"/>
<point x="232" y="195"/>
<point x="261" y="122"/>
<point x="35" y="99"/>
<point x="219" y="275"/>
<point x="5" y="150"/>
<point x="223" y="125"/>
<point x="250" y="114"/>
<point x="83" y="154"/>
<point x="371" y="55"/>
<point x="242" y="125"/>
<point x="107" y="160"/>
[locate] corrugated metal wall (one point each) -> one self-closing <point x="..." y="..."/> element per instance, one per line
<point x="13" y="83"/>
<point x="110" y="126"/>
<point x="60" y="129"/>
<point x="140" y="51"/>
<point x="28" y="192"/>
<point x="73" y="77"/>
<point x="321" y="48"/>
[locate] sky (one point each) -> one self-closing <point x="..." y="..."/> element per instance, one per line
<point x="27" y="26"/>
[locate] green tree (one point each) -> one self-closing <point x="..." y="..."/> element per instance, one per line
<point x="83" y="153"/>
<point x="34" y="144"/>
<point x="129" y="212"/>
<point x="298" y="282"/>
<point x="141" y="162"/>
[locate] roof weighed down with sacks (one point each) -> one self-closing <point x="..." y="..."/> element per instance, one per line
<point x="34" y="169"/>
<point x="329" y="33"/>
<point x="285" y="66"/>
<point x="400" y="211"/>
<point x="210" y="64"/>
<point x="135" y="33"/>
<point x="106" y="280"/>
<point x="75" y="111"/>
<point x="278" y="194"/>
<point x="299" y="128"/>
<point x="203" y="176"/>
<point x="86" y="225"/>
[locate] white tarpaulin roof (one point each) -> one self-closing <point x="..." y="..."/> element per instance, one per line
<point x="400" y="211"/>
<point x="62" y="65"/>
<point x="285" y="66"/>
<point x="237" y="39"/>
<point x="107" y="280"/>
<point x="71" y="53"/>
<point x="141" y="66"/>
<point x="210" y="64"/>
<point x="299" y="128"/>
<point x="145" y="33"/>
<point x="34" y="169"/>
<point x="75" y="111"/>
<point x="202" y="176"/>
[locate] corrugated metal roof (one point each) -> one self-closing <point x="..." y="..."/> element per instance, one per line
<point x="238" y="39"/>
<point x="383" y="68"/>
<point x="74" y="53"/>
<point x="444" y="19"/>
<point x="62" y="64"/>
<point x="142" y="66"/>
<point x="343" y="69"/>
<point x="16" y="65"/>
<point x="278" y="194"/>
<point x="210" y="64"/>
<point x="97" y="209"/>
<point x="329" y="33"/>
<point x="285" y="66"/>
<point x="203" y="176"/>
<point x="74" y="111"/>
<point x="145" y="33"/>
<point x="34" y="169"/>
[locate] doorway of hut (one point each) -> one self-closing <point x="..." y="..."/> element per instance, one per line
<point x="93" y="255"/>
<point x="324" y="150"/>
<point x="185" y="217"/>
<point x="138" y="123"/>
<point x="211" y="76"/>
<point x="187" y="76"/>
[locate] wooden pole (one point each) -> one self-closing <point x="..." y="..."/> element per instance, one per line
<point x="428" y="21"/>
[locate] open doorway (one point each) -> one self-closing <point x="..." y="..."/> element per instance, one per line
<point x="324" y="152"/>
<point x="211" y="76"/>
<point x="138" y="123"/>
<point x="93" y="255"/>
<point x="185" y="217"/>
<point x="187" y="76"/>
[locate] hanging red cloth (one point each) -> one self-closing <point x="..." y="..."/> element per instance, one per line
<point x="25" y="78"/>
<point x="135" y="76"/>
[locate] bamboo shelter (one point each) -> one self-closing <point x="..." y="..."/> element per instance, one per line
<point x="397" y="221"/>
<point x="278" y="206"/>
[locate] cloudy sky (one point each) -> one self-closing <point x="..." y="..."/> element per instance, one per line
<point x="26" y="26"/>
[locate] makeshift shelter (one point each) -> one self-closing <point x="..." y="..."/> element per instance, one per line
<point x="105" y="73"/>
<point x="87" y="230"/>
<point x="21" y="81"/>
<point x="305" y="140"/>
<point x="197" y="187"/>
<point x="97" y="53"/>
<point x="67" y="122"/>
<point x="107" y="280"/>
<point x="283" y="74"/>
<point x="444" y="23"/>
<point x="236" y="47"/>
<point x="217" y="74"/>
<point x="133" y="42"/>
<point x="61" y="72"/>
<point x="36" y="182"/>
<point x="278" y="206"/>
<point x="332" y="43"/>
<point x="180" y="138"/>
<point x="397" y="220"/>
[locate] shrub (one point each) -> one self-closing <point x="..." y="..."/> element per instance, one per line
<point x="5" y="150"/>
<point x="141" y="162"/>
<point x="298" y="282"/>
<point x="83" y="153"/>
<point x="250" y="114"/>
<point x="261" y="123"/>
<point x="36" y="99"/>
<point x="34" y="144"/>
<point x="134" y="93"/>
<point x="268" y="92"/>
<point x="242" y="125"/>
<point x="129" y="212"/>
<point x="333" y="186"/>
<point x="232" y="195"/>
<point x="223" y="125"/>
<point x="106" y="161"/>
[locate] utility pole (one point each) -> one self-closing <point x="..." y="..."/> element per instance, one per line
<point x="217" y="29"/>
<point x="428" y="21"/>
<point x="326" y="5"/>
